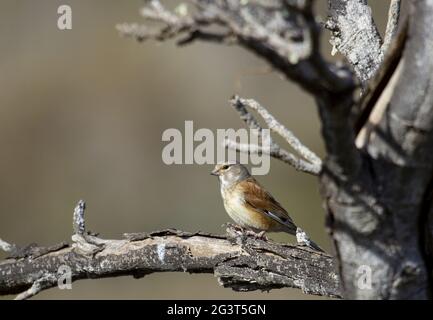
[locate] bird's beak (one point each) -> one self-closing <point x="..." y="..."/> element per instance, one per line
<point x="214" y="173"/>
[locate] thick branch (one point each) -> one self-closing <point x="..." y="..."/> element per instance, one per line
<point x="382" y="223"/>
<point x="355" y="36"/>
<point x="252" y="264"/>
<point x="239" y="261"/>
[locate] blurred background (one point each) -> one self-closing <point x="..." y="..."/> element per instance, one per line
<point x="82" y="113"/>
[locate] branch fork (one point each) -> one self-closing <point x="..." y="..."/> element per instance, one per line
<point x="308" y="161"/>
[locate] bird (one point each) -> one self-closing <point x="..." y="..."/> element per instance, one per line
<point x="251" y="207"/>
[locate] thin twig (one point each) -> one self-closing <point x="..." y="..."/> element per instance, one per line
<point x="312" y="163"/>
<point x="174" y="25"/>
<point x="278" y="128"/>
<point x="37" y="286"/>
<point x="78" y="218"/>
<point x="291" y="45"/>
<point x="277" y="153"/>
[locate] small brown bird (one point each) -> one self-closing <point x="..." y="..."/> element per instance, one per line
<point x="251" y="206"/>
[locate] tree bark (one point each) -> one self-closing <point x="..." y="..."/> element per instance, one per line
<point x="240" y="263"/>
<point x="378" y="217"/>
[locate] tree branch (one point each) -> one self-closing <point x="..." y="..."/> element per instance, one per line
<point x="39" y="285"/>
<point x="240" y="262"/>
<point x="283" y="32"/>
<point x="312" y="163"/>
<point x="355" y="36"/>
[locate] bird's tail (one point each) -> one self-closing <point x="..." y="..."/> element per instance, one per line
<point x="315" y="246"/>
<point x="304" y="239"/>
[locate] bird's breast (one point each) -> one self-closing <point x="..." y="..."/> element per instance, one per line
<point x="245" y="216"/>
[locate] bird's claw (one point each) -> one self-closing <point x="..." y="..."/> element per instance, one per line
<point x="241" y="232"/>
<point x="256" y="235"/>
<point x="262" y="236"/>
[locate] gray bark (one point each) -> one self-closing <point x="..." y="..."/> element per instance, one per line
<point x="378" y="217"/>
<point x="240" y="263"/>
<point x="355" y="35"/>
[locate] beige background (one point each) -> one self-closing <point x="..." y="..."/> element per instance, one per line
<point x="81" y="116"/>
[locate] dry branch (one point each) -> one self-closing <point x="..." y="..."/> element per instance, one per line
<point x="355" y="36"/>
<point x="310" y="164"/>
<point x="283" y="32"/>
<point x="253" y="265"/>
<point x="238" y="261"/>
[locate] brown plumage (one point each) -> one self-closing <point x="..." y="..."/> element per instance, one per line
<point x="249" y="204"/>
<point x="259" y="200"/>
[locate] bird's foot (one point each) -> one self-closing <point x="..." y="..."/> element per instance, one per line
<point x="234" y="230"/>
<point x="232" y="226"/>
<point x="262" y="236"/>
<point x="256" y="235"/>
<point x="237" y="231"/>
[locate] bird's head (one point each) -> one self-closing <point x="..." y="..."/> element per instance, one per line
<point x="230" y="172"/>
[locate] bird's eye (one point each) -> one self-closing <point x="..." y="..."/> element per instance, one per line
<point x="225" y="167"/>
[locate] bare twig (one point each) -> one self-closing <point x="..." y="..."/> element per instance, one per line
<point x="392" y="25"/>
<point x="278" y="128"/>
<point x="78" y="218"/>
<point x="37" y="286"/>
<point x="312" y="163"/>
<point x="84" y="241"/>
<point x="284" y="32"/>
<point x="277" y="153"/>
<point x="174" y="25"/>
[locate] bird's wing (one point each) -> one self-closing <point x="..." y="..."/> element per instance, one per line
<point x="262" y="201"/>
